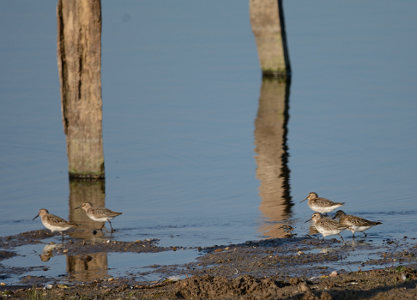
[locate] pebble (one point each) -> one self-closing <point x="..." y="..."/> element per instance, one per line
<point x="174" y="278"/>
<point x="333" y="274"/>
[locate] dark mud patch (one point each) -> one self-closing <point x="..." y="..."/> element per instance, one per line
<point x="306" y="257"/>
<point x="78" y="247"/>
<point x="25" y="238"/>
<point x="8" y="272"/>
<point x="6" y="254"/>
<point x="288" y="257"/>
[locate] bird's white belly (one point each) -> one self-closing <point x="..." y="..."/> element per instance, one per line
<point x="324" y="209"/>
<point x="355" y="228"/>
<point x="326" y="232"/>
<point x="98" y="219"/>
<point x="55" y="228"/>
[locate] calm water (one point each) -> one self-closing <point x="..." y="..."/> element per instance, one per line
<point x="189" y="158"/>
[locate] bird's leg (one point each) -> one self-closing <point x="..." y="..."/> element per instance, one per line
<point x="353" y="235"/>
<point x="364" y="233"/>
<point x="112" y="230"/>
<point x="341" y="237"/>
<point x="62" y="235"/>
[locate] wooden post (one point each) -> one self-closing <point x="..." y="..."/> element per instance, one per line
<point x="272" y="159"/>
<point x="79" y="68"/>
<point x="268" y="26"/>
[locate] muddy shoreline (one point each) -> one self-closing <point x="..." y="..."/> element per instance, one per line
<point x="290" y="268"/>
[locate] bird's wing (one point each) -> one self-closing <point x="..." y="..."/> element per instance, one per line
<point x="105" y="212"/>
<point x="326" y="202"/>
<point x="362" y="222"/>
<point x="57" y="220"/>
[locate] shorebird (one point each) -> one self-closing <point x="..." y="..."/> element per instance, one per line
<point x="99" y="214"/>
<point x="321" y="205"/>
<point x="355" y="223"/>
<point x="327" y="226"/>
<point x="52" y="222"/>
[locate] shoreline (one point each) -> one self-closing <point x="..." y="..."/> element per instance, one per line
<point x="289" y="268"/>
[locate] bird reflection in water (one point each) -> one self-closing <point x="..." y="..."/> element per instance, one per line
<point x="48" y="251"/>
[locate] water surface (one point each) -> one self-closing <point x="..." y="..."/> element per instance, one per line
<point x="188" y="156"/>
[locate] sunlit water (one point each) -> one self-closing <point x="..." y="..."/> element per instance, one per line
<point x="183" y="140"/>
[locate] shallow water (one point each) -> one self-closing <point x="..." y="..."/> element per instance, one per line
<point x="87" y="267"/>
<point x="194" y="155"/>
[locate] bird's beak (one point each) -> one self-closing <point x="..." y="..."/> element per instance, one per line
<point x="308" y="220"/>
<point x="304" y="200"/>
<point x="35" y="217"/>
<point x="77" y="207"/>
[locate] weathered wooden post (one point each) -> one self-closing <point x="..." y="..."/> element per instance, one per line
<point x="272" y="156"/>
<point x="268" y="26"/>
<point x="79" y="68"/>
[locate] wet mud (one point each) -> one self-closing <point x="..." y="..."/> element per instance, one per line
<point x="290" y="268"/>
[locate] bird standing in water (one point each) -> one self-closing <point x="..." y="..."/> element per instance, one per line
<point x="327" y="226"/>
<point x="52" y="222"/>
<point x="320" y="204"/>
<point x="354" y="223"/>
<point x="99" y="214"/>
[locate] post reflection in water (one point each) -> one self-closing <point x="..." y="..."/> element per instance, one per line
<point x="272" y="158"/>
<point x="86" y="191"/>
<point x="87" y="267"/>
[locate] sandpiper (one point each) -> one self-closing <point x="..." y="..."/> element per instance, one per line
<point x="52" y="222"/>
<point x="327" y="226"/>
<point x="355" y="223"/>
<point x="321" y="205"/>
<point x="99" y="214"/>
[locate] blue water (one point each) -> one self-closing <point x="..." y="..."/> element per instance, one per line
<point x="181" y="85"/>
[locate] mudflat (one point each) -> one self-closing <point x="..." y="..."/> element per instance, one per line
<point x="289" y="268"/>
